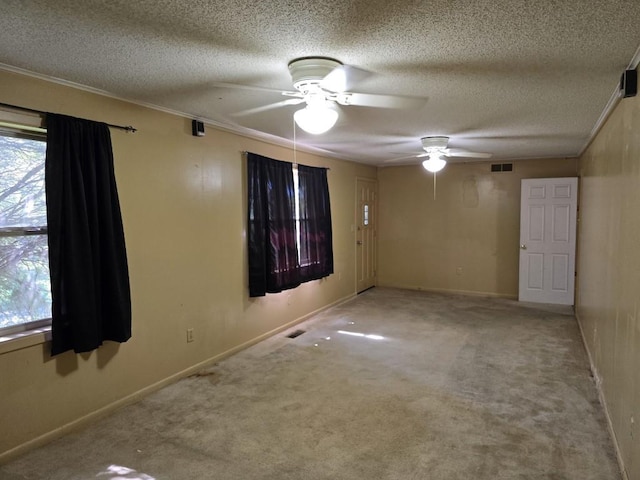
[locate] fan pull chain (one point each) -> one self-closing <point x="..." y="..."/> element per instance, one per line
<point x="295" y="158"/>
<point x="434" y="185"/>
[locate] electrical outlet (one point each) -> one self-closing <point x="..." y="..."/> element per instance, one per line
<point x="189" y="335"/>
<point x="459" y="271"/>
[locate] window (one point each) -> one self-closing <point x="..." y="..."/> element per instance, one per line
<point x="303" y="256"/>
<point x="296" y="188"/>
<point x="289" y="225"/>
<point x="25" y="290"/>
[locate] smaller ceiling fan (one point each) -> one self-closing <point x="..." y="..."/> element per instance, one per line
<point x="435" y="148"/>
<point x="436" y="151"/>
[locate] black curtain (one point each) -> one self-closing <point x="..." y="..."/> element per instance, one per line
<point x="272" y="249"/>
<point x="91" y="299"/>
<point x="316" y="240"/>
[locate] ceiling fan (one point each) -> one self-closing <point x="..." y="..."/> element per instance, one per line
<point x="436" y="151"/>
<point x="322" y="83"/>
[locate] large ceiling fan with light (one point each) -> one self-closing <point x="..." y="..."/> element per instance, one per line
<point x="323" y="84"/>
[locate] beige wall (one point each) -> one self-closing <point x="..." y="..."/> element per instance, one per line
<point x="609" y="271"/>
<point x="183" y="210"/>
<point x="183" y="207"/>
<point x="464" y="240"/>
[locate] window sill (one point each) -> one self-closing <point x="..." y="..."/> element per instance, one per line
<point x="28" y="338"/>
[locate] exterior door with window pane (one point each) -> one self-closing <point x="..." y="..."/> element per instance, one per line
<point x="366" y="234"/>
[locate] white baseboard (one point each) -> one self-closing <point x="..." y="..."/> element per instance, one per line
<point x="136" y="396"/>
<point x="603" y="400"/>
<point x="452" y="291"/>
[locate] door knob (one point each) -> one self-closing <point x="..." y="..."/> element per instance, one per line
<point x="523" y="246"/>
<point x="359" y="242"/>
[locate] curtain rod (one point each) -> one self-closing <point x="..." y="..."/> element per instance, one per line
<point x="127" y="128"/>
<point x="244" y="152"/>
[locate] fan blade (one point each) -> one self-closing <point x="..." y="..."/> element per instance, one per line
<point x="409" y="157"/>
<point x="455" y="152"/>
<point x="271" y="106"/>
<point x="236" y="86"/>
<point x="381" y="101"/>
<point x="343" y="78"/>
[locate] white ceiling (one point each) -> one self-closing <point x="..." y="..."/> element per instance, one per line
<point x="515" y="78"/>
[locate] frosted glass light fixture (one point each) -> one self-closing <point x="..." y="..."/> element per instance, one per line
<point x="316" y="118"/>
<point x="434" y="163"/>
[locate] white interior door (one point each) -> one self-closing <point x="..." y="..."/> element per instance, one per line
<point x="548" y="210"/>
<point x="366" y="246"/>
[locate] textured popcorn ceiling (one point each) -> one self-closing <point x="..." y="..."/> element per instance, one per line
<point x="518" y="79"/>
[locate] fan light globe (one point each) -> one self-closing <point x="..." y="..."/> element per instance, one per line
<point x="434" y="164"/>
<point x="316" y="120"/>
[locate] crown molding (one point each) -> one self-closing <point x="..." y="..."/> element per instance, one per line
<point x="235" y="129"/>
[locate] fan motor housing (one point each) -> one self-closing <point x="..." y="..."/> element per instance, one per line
<point x="310" y="71"/>
<point x="435" y="143"/>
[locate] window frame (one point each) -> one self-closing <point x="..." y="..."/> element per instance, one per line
<point x="26" y="127"/>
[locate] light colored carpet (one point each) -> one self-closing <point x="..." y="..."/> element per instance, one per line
<point x="440" y="387"/>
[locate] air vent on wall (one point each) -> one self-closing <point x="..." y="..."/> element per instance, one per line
<point x="502" y="167"/>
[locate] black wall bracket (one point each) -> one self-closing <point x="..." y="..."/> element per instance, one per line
<point x="629" y="83"/>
